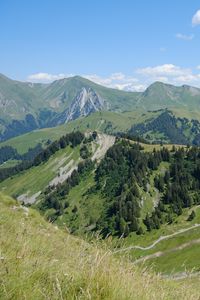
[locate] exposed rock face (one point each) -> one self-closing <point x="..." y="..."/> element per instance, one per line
<point x="85" y="103"/>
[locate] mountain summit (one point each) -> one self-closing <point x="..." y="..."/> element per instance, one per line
<point x="26" y="106"/>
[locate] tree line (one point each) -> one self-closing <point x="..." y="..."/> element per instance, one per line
<point x="56" y="196"/>
<point x="179" y="188"/>
<point x="8" y="152"/>
<point x="121" y="176"/>
<point x="73" y="139"/>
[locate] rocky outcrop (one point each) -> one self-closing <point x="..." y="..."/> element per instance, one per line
<point x="85" y="103"/>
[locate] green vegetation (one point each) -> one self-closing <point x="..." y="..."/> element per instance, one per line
<point x="40" y="261"/>
<point x="167" y="182"/>
<point x="135" y="191"/>
<point x="54" y="200"/>
<point x="35" y="158"/>
<point x="174" y="255"/>
<point x="9" y="163"/>
<point x="122" y="178"/>
<point x="108" y="122"/>
<point x="36" y="178"/>
<point x="153" y="126"/>
<point x="37" y="105"/>
<point x="34" y="106"/>
<point x="167" y="128"/>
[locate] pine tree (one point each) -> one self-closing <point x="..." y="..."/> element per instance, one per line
<point x="148" y="223"/>
<point x="140" y="231"/>
<point x="191" y="216"/>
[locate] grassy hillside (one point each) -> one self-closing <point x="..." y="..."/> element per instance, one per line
<point x="54" y="170"/>
<point x="184" y="113"/>
<point x="160" y="95"/>
<point x="39" y="261"/>
<point x="154" y="126"/>
<point x="37" y="178"/>
<point x="176" y="254"/>
<point x="108" y="122"/>
<point x="18" y="98"/>
<point x="27" y="106"/>
<point x="123" y="183"/>
<point x="168" y="127"/>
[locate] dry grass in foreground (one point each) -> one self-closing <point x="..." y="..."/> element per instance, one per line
<point x="39" y="261"/>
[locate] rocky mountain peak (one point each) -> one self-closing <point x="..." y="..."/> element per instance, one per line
<point x="86" y="102"/>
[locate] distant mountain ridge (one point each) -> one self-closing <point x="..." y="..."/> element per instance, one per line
<point x="27" y="106"/>
<point x="168" y="128"/>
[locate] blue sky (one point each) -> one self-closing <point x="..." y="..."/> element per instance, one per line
<point x="125" y="44"/>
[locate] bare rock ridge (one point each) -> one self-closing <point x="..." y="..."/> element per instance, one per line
<point x="85" y="103"/>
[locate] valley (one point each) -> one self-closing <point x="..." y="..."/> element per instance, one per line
<point x="65" y="189"/>
<point x="99" y="150"/>
<point x="126" y="180"/>
<point x="27" y="106"/>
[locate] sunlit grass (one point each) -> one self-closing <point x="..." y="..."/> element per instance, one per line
<point x="39" y="261"/>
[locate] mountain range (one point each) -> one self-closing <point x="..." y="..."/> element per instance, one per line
<point x="145" y="196"/>
<point x="27" y="106"/>
<point x="79" y="165"/>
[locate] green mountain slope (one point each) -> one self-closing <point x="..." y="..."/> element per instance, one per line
<point x="162" y="126"/>
<point x="117" y="100"/>
<point x="160" y="95"/>
<point x="18" y="98"/>
<point x="168" y="128"/>
<point x="26" y="106"/>
<point x="40" y="261"/>
<point x="171" y="250"/>
<point x="131" y="191"/>
<point x="55" y="168"/>
<point x="107" y="122"/>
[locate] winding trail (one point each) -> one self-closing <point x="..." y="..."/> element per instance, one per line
<point x="162" y="253"/>
<point x="180" y="275"/>
<point x="161" y="238"/>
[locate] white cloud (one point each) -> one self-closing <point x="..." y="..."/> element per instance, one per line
<point x="184" y="37"/>
<point x="100" y="80"/>
<point x="117" y="76"/>
<point x="115" y="80"/>
<point x="130" y="87"/>
<point x="196" y="18"/>
<point x="118" y="81"/>
<point x="138" y="81"/>
<point x="45" y="77"/>
<point x="162" y="70"/>
<point x="170" y="73"/>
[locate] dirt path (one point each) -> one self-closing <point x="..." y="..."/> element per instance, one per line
<point x="161" y="238"/>
<point x="162" y="253"/>
<point x="180" y="275"/>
